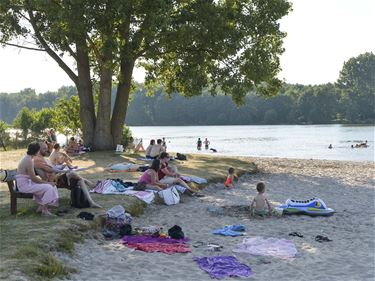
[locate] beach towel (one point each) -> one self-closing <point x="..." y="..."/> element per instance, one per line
<point x="160" y="247"/>
<point x="259" y="246"/>
<point x="220" y="267"/>
<point x="195" y="179"/>
<point x="113" y="187"/>
<point x="230" y="230"/>
<point x="156" y="244"/>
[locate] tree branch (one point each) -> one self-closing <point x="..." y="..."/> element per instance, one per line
<point x="23" y="47"/>
<point x="48" y="49"/>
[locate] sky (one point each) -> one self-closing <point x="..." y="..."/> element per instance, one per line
<point x="321" y="36"/>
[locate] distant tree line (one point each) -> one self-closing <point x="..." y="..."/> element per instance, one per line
<point x="349" y="100"/>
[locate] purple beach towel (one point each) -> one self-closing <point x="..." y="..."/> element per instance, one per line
<point x="220" y="267"/>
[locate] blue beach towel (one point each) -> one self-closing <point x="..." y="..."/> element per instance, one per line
<point x="230" y="230"/>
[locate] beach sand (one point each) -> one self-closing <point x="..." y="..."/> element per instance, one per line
<point x="347" y="187"/>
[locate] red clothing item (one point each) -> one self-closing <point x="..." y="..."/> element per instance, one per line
<point x="160" y="247"/>
<point x="228" y="181"/>
<point x="160" y="172"/>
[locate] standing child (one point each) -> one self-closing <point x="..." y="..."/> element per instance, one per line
<point x="260" y="202"/>
<point x="229" y="182"/>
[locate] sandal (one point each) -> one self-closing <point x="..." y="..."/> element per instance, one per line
<point x="296" y="234"/>
<point x="321" y="238"/>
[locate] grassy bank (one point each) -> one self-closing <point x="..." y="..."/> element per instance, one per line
<point x="28" y="240"/>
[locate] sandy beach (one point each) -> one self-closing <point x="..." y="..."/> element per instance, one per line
<point x="347" y="187"/>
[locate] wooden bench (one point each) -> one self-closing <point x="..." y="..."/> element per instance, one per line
<point x="14" y="193"/>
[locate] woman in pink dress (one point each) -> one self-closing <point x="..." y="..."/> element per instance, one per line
<point x="45" y="193"/>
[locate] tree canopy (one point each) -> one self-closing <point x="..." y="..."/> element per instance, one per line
<point x="184" y="46"/>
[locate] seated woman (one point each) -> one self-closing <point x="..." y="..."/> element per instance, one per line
<point x="149" y="148"/>
<point x="73" y="147"/>
<point x="150" y="177"/>
<point x="136" y="148"/>
<point x="45" y="193"/>
<point x="60" y="159"/>
<point x="169" y="175"/>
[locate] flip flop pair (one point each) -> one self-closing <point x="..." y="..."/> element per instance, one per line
<point x="296" y="234"/>
<point x="321" y="238"/>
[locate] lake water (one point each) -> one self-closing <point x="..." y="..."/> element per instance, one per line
<point x="287" y="141"/>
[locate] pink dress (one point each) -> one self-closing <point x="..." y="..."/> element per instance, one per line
<point x="44" y="193"/>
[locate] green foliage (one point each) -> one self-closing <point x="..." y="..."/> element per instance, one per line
<point x="24" y="121"/>
<point x="66" y="118"/>
<point x="4" y="135"/>
<point x="51" y="267"/>
<point x="357" y="81"/>
<point x="184" y="46"/>
<point x="43" y="119"/>
<point x="126" y="135"/>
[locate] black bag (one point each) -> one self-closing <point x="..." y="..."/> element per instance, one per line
<point x="78" y="198"/>
<point x="175" y="232"/>
<point x="181" y="157"/>
<point x="125" y="229"/>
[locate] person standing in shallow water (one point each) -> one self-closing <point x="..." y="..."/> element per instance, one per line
<point x="206" y="143"/>
<point x="199" y="144"/>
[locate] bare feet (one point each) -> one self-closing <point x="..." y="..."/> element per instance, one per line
<point x="47" y="213"/>
<point x="40" y="209"/>
<point x="95" y="205"/>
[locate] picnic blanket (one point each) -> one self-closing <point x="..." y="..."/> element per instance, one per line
<point x="281" y="248"/>
<point x="220" y="267"/>
<point x="230" y="230"/>
<point x="110" y="186"/>
<point x="151" y="244"/>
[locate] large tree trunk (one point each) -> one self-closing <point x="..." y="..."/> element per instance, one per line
<point x="84" y="87"/>
<point x="122" y="100"/>
<point x="103" y="138"/>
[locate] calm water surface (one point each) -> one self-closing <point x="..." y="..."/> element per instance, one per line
<point x="289" y="141"/>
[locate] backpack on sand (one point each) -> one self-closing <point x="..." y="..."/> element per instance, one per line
<point x="181" y="157"/>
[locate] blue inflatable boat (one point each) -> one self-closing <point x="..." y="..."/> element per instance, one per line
<point x="311" y="207"/>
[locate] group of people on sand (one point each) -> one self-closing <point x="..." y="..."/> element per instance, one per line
<point x="38" y="175"/>
<point x="153" y="150"/>
<point x="161" y="175"/>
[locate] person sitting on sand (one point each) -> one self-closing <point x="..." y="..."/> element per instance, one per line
<point x="44" y="191"/>
<point x="330" y="146"/>
<point x="148" y="149"/>
<point x="73" y="147"/>
<point x="156" y="149"/>
<point x="60" y="159"/>
<point x="230" y="177"/>
<point x="136" y="148"/>
<point x="260" y="202"/>
<point x="169" y="175"/>
<point x="68" y="180"/>
<point x="150" y="177"/>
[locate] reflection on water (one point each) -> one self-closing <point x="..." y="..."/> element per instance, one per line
<point x="290" y="141"/>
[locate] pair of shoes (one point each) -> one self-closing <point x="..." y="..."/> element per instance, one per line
<point x="296" y="234"/>
<point x="321" y="238"/>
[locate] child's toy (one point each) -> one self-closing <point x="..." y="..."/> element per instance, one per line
<point x="311" y="207"/>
